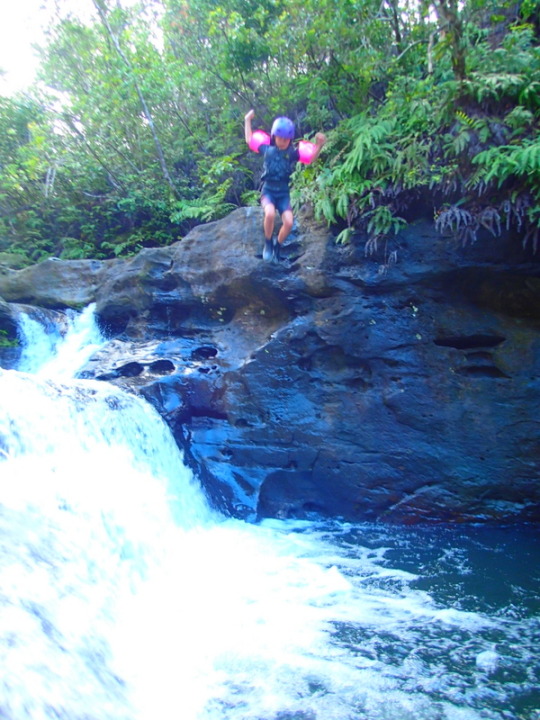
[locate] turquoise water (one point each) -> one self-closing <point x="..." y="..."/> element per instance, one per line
<point x="124" y="596"/>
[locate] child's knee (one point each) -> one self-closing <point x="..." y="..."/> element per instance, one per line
<point x="269" y="212"/>
<point x="288" y="221"/>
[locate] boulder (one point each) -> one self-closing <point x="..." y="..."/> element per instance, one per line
<point x="54" y="283"/>
<point x="332" y="382"/>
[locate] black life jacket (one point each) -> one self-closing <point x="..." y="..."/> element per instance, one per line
<point x="278" y="166"/>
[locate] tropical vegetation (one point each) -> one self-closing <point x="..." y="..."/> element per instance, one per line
<point x="133" y="131"/>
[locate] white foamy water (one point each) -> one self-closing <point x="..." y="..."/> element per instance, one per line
<point x="123" y="596"/>
<point x="47" y="352"/>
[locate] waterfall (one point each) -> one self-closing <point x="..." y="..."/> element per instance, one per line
<point x="48" y="352"/>
<point x="124" y="596"/>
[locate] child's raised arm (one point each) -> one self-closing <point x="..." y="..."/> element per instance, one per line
<point x="320" y="141"/>
<point x="247" y="125"/>
<point x="309" y="151"/>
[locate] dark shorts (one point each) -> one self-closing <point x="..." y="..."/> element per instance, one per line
<point x="281" y="201"/>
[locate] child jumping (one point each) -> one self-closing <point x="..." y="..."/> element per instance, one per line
<point x="280" y="160"/>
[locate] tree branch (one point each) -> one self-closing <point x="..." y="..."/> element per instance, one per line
<point x="145" y="108"/>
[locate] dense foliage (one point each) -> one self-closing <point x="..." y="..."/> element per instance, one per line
<point x="134" y="131"/>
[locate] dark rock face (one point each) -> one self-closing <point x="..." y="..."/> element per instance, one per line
<point x="320" y="384"/>
<point x="8" y="335"/>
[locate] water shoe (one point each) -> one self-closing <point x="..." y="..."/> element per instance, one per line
<point x="267" y="250"/>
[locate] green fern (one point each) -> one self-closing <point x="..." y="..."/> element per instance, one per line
<point x="410" y="165"/>
<point x="498" y="164"/>
<point x="530" y="95"/>
<point x="494" y="86"/>
<point x="519" y="118"/>
<point x="204" y="209"/>
<point x="122" y="245"/>
<point x="209" y="206"/>
<point x="455" y="145"/>
<point x="382" y="221"/>
<point x="344" y="236"/>
<point x="342" y="203"/>
<point x="370" y="152"/>
<point x="528" y="160"/>
<point x="325" y="209"/>
<point x="479" y="125"/>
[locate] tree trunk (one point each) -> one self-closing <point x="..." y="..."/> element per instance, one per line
<point x="394" y="19"/>
<point x="450" y="21"/>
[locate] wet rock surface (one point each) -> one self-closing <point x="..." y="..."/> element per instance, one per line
<point x="321" y="384"/>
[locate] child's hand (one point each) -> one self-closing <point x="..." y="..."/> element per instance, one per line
<point x="320" y="139"/>
<point x="250" y="115"/>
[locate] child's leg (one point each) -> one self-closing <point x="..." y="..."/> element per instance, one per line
<point x="286" y="227"/>
<point x="268" y="226"/>
<point x="269" y="217"/>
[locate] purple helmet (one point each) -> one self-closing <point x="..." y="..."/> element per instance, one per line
<point x="283" y="127"/>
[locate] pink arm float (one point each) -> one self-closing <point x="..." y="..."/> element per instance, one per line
<point x="306" y="151"/>
<point x="258" y="138"/>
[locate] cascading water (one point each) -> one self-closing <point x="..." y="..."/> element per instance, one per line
<point x="46" y="352"/>
<point x="125" y="597"/>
